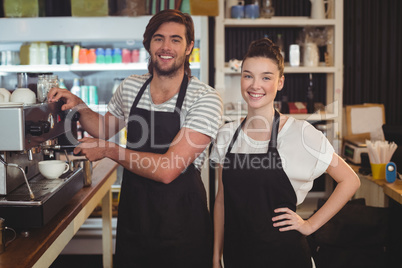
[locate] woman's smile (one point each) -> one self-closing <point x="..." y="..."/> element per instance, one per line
<point x="255" y="96"/>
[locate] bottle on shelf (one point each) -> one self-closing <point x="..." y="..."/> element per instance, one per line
<point x="83" y="56"/>
<point x="279" y="43"/>
<point x="135" y="56"/>
<point x="52" y="81"/>
<point x="85" y="94"/>
<point x="93" y="95"/>
<point x="108" y="56"/>
<point x="117" y="58"/>
<point x="100" y="55"/>
<point x="34" y="54"/>
<point x="53" y="54"/>
<point x="62" y="50"/>
<point x="41" y="87"/>
<point x="43" y="54"/>
<point x="91" y="56"/>
<point x="69" y="55"/>
<point x="24" y="54"/>
<point x="62" y="84"/>
<point x="76" y="89"/>
<point x="76" y="54"/>
<point x="310" y="95"/>
<point x="294" y="55"/>
<point x="267" y="10"/>
<point x="126" y="55"/>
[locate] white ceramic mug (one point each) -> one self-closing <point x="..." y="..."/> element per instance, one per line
<point x="24" y="95"/>
<point x="5" y="95"/>
<point x="53" y="169"/>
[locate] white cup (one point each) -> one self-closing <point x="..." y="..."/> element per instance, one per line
<point x="53" y="169"/>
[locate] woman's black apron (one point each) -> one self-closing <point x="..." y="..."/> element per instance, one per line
<point x="161" y="225"/>
<point x="255" y="185"/>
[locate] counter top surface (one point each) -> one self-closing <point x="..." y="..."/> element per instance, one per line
<point x="393" y="190"/>
<point x="26" y="251"/>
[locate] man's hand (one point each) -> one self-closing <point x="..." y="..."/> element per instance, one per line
<point x="71" y="100"/>
<point x="94" y="149"/>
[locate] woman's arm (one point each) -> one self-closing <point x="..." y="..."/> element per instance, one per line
<point x="348" y="183"/>
<point x="219" y="221"/>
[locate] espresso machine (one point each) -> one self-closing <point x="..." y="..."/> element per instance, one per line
<point x="30" y="134"/>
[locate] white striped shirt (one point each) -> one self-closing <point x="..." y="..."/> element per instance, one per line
<point x="201" y="110"/>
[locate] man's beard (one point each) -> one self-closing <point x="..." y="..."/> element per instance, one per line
<point x="172" y="70"/>
<point x="169" y="72"/>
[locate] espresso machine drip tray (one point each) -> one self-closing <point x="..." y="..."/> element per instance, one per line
<point x="51" y="195"/>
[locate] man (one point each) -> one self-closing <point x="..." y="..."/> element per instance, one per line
<point x="171" y="118"/>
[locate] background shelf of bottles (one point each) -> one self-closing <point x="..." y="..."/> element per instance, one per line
<point x="79" y="67"/>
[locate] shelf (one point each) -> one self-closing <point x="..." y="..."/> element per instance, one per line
<point x="289" y="69"/>
<point x="79" y="67"/>
<point x="279" y="22"/>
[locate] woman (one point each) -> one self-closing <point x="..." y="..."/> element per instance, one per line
<point x="268" y="163"/>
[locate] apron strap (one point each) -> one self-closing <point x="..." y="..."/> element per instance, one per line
<point x="139" y="94"/>
<point x="182" y="93"/>
<point x="274" y="132"/>
<point x="236" y="134"/>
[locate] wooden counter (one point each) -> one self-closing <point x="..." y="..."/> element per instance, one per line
<point x="376" y="192"/>
<point x="43" y="245"/>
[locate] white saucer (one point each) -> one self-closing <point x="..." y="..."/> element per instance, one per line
<point x="11" y="104"/>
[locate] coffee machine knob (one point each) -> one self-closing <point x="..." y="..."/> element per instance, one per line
<point x="37" y="128"/>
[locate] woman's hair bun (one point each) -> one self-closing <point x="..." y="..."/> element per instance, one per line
<point x="263" y="42"/>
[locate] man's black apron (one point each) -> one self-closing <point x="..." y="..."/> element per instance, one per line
<point x="161" y="225"/>
<point x="255" y="185"/>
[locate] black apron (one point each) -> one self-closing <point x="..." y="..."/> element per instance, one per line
<point x="255" y="185"/>
<point x="161" y="225"/>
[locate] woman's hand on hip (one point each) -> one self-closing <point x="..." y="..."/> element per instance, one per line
<point x="290" y="220"/>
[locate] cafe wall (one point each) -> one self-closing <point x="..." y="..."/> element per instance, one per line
<point x="373" y="56"/>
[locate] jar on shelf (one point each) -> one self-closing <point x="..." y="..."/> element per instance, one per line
<point x="41" y="85"/>
<point x="267" y="10"/>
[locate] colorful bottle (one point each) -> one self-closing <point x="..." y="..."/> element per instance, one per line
<point x="126" y="55"/>
<point x="93" y="95"/>
<point x="117" y="58"/>
<point x="85" y="94"/>
<point x="108" y="55"/>
<point x="62" y="50"/>
<point x="76" y="54"/>
<point x="61" y="83"/>
<point x="76" y="89"/>
<point x="83" y="56"/>
<point x="135" y="56"/>
<point x="100" y="55"/>
<point x="92" y="56"/>
<point x="69" y="55"/>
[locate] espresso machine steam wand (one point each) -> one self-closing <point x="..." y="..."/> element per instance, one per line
<point x="31" y="194"/>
